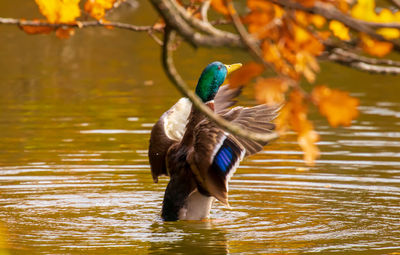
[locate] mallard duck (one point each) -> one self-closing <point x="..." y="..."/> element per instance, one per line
<point x="197" y="155"/>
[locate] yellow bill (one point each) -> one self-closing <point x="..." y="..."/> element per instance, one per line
<point x="233" y="67"/>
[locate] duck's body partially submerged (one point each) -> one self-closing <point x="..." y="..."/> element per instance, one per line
<point x="197" y="155"/>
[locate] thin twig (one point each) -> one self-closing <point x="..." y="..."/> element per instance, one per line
<point x="183" y="88"/>
<point x="246" y="38"/>
<point x="78" y="24"/>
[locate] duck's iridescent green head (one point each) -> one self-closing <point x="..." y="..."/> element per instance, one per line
<point x="212" y="78"/>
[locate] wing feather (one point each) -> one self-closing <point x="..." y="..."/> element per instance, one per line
<point x="214" y="159"/>
<point x="257" y="119"/>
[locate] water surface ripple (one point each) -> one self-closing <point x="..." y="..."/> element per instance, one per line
<point x="89" y="189"/>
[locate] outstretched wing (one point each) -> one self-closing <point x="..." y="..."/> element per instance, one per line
<point x="214" y="159"/>
<point x="168" y="130"/>
<point x="226" y="97"/>
<point x="256" y="119"/>
<point x="217" y="154"/>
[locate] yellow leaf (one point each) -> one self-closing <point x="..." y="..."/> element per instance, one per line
<point x="389" y="33"/>
<point x="339" y="30"/>
<point x="245" y="74"/>
<point x="364" y="10"/>
<point x="270" y="91"/>
<point x="337" y="106"/>
<point x="59" y="11"/>
<point x="385" y="15"/>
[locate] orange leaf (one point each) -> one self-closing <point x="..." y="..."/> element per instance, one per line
<point x="36" y="29"/>
<point x="307" y="65"/>
<point x="307" y="3"/>
<point x="261" y="5"/>
<point x="317" y="20"/>
<point x="374" y="47"/>
<point x="294" y="114"/>
<point x="301" y="35"/>
<point x="271" y="90"/>
<point x="337" y="106"/>
<point x="245" y="74"/>
<point x="257" y="21"/>
<point x="220" y="6"/>
<point x="97" y="8"/>
<point x="65" y="33"/>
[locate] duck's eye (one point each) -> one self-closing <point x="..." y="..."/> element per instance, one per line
<point x="219" y="67"/>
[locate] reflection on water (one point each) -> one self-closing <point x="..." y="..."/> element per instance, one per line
<point x="75" y="118"/>
<point x="193" y="237"/>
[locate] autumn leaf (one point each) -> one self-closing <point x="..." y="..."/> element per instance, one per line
<point x="97" y="8"/>
<point x="301" y="35"/>
<point x="337" y="106"/>
<point x="260" y="5"/>
<point x="270" y="91"/>
<point x="220" y="6"/>
<point x="59" y="11"/>
<point x="256" y="21"/>
<point x="389" y="33"/>
<point x="245" y="74"/>
<point x="307" y="3"/>
<point x="307" y="65"/>
<point x="36" y="29"/>
<point x="339" y="30"/>
<point x="317" y="20"/>
<point x="65" y="33"/>
<point x="374" y="47"/>
<point x="294" y="115"/>
<point x="364" y="10"/>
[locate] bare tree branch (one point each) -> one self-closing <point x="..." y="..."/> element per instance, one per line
<point x="372" y="61"/>
<point x="173" y="18"/>
<point x="202" y="26"/>
<point x="371" y="65"/>
<point x="183" y="88"/>
<point x="204" y="10"/>
<point x="396" y="2"/>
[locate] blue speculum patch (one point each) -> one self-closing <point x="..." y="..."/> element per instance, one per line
<point x="224" y="158"/>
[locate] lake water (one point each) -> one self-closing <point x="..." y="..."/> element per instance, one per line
<point x="75" y="119"/>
